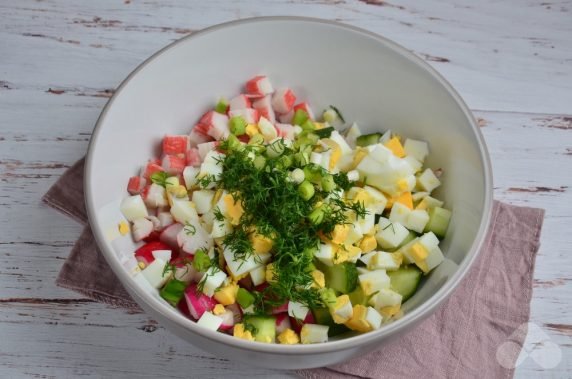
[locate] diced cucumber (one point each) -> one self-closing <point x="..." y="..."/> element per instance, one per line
<point x="438" y="221"/>
<point x="357" y="296"/>
<point x="368" y="139"/>
<point x="264" y="327"/>
<point x="341" y="277"/>
<point x="405" y="280"/>
<point x="324" y="317"/>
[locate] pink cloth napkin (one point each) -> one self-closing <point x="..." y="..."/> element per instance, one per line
<point x="461" y="340"/>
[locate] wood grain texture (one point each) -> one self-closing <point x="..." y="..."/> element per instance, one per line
<point x="60" y="61"/>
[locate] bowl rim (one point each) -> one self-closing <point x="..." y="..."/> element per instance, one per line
<point x="423" y="311"/>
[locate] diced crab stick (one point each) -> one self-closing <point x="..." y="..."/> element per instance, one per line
<point x="250" y="115"/>
<point x="154" y="196"/>
<point x="197" y="302"/>
<point x="214" y="124"/>
<point x="259" y="86"/>
<point x="282" y="322"/>
<point x="169" y="235"/>
<point x="240" y="102"/>
<point x="174" y="164"/>
<point x="227" y="320"/>
<point x="193" y="157"/>
<point x="285" y="118"/>
<point x="151" y="168"/>
<point x="145" y="253"/>
<point x="205" y="148"/>
<point x="283" y="100"/>
<point x="196" y="137"/>
<point x="175" y="144"/>
<point x="264" y="107"/>
<point x="306" y="108"/>
<point x="136" y="185"/>
<point x="286" y="131"/>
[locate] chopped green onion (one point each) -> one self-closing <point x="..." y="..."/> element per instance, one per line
<point x="201" y="261"/>
<point x="259" y="162"/>
<point x="173" y="291"/>
<point x="221" y="106"/>
<point x="160" y="178"/>
<point x="244" y="298"/>
<point x="300" y="117"/>
<point x="297" y="175"/>
<point x="328" y="183"/>
<point x="338" y="113"/>
<point x="237" y="125"/>
<point x="308" y="125"/>
<point x="306" y="190"/>
<point x="317" y="215"/>
<point x="256" y="139"/>
<point x="232" y="143"/>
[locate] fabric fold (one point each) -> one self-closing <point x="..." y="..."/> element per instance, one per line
<point x="463" y="338"/>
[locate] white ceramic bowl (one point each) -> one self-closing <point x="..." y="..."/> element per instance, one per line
<point x="374" y="81"/>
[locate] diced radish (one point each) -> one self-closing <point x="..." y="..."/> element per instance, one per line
<point x="155" y="221"/>
<point x="249" y="114"/>
<point x="216" y="125"/>
<point x="184" y="308"/>
<point x="169" y="235"/>
<point x="185" y="272"/>
<point x="204" y="148"/>
<point x="286" y="131"/>
<point x="282" y="322"/>
<point x="196" y="137"/>
<point x="264" y="107"/>
<point x="240" y="102"/>
<point x="193" y="157"/>
<point x="150" y="169"/>
<point x="153" y="236"/>
<point x="162" y="254"/>
<point x="297" y="325"/>
<point x="285" y="118"/>
<point x="259" y="86"/>
<point x="197" y="302"/>
<point x="136" y="185"/>
<point x="173" y="144"/>
<point x="194" y="237"/>
<point x="283" y="100"/>
<point x="145" y="253"/>
<point x="305" y="107"/>
<point x="236" y="312"/>
<point x="227" y="320"/>
<point x="280" y="309"/>
<point x="165" y="219"/>
<point x="173" y="164"/>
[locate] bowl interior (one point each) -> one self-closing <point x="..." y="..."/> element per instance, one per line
<point x="372" y="81"/>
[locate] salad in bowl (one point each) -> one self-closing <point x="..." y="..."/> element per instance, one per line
<point x="274" y="224"/>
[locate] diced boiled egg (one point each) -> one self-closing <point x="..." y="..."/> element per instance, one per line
<point x="314" y="333"/>
<point x="212" y="279"/>
<point x="209" y="321"/>
<point x="297" y="310"/>
<point x="427" y="181"/>
<point x="390" y="234"/>
<point x="373" y="281"/>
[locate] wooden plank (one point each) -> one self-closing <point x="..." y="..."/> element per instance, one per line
<point x="489" y="53"/>
<point x="61" y="61"/>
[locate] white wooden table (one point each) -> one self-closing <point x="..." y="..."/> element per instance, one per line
<point x="60" y="60"/>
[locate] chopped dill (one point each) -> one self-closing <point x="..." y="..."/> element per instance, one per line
<point x="338" y="113"/>
<point x="189" y="229"/>
<point x="160" y="178"/>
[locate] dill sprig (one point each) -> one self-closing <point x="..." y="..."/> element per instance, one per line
<point x="274" y="208"/>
